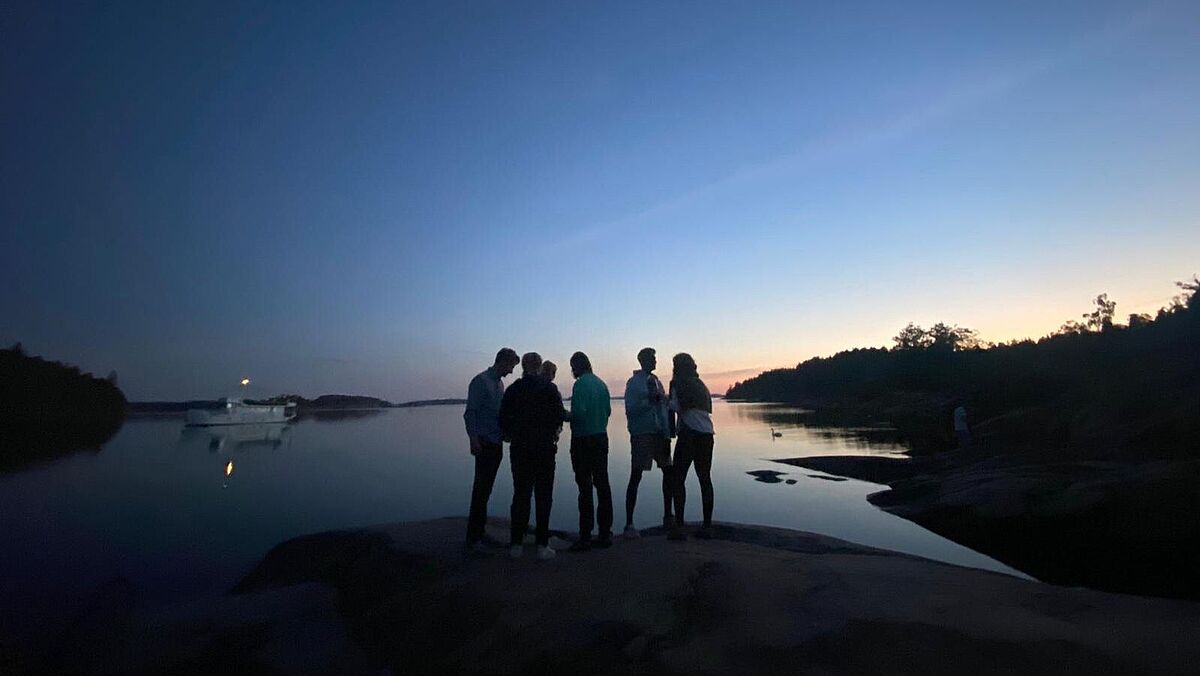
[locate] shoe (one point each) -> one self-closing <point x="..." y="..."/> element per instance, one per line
<point x="705" y="533"/>
<point x="580" y="546"/>
<point x="632" y="533"/>
<point x="668" y="521"/>
<point x="677" y="535"/>
<point x="603" y="542"/>
<point x="514" y="552"/>
<point x="545" y="553"/>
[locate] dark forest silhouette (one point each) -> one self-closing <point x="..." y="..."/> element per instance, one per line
<point x="48" y="409"/>
<point x="1094" y="386"/>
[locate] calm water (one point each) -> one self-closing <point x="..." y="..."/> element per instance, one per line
<point x="154" y="505"/>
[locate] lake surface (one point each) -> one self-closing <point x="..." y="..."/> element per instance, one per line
<point x="155" y="506"/>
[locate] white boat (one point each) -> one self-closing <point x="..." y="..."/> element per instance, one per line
<point x="240" y="412"/>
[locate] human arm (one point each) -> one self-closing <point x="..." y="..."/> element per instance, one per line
<point x="471" y="414"/>
<point x="579" y="402"/>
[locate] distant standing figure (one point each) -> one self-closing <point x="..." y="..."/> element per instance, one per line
<point x="530" y="414"/>
<point x="591" y="407"/>
<point x="649" y="436"/>
<point x="961" y="429"/>
<point x="482" y="419"/>
<point x="691" y="414"/>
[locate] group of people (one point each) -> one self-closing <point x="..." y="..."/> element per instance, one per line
<point x="529" y="415"/>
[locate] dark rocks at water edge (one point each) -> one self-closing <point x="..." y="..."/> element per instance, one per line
<point x="1118" y="526"/>
<point x="49" y="409"/>
<point x="751" y="600"/>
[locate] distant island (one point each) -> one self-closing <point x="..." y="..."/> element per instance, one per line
<point x="49" y="409"/>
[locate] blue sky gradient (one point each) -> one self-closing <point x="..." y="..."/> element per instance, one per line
<point x="373" y="197"/>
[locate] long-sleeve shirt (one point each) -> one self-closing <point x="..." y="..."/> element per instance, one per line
<point x="591" y="406"/>
<point x="531" y="413"/>
<point x="645" y="404"/>
<point x="484" y="396"/>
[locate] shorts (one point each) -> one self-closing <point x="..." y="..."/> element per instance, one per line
<point x="648" y="448"/>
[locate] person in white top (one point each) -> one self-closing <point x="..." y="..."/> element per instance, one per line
<point x="691" y="424"/>
<point x="961" y="430"/>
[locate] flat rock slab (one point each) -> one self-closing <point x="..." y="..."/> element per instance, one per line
<point x="751" y="599"/>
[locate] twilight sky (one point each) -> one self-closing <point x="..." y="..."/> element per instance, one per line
<point x="373" y="197"/>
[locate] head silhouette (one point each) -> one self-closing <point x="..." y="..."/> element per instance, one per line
<point x="549" y="370"/>
<point x="580" y="364"/>
<point x="531" y="363"/>
<point x="506" y="361"/>
<point x="684" y="366"/>
<point x="646" y="357"/>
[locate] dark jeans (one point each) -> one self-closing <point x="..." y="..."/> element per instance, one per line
<point x="695" y="448"/>
<point x="487" y="461"/>
<point x="533" y="476"/>
<point x="589" y="459"/>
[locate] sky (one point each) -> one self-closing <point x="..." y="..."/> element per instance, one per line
<point x="373" y="197"/>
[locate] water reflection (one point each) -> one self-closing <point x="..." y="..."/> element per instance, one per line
<point x="790" y="424"/>
<point x="164" y="520"/>
<point x="240" y="437"/>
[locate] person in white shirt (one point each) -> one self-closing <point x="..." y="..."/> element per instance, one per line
<point x="691" y="423"/>
<point x="961" y="429"/>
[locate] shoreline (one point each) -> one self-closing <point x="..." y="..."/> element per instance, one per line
<point x="1118" y="526"/>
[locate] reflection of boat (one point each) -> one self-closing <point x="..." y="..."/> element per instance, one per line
<point x="240" y="412"/>
<point x="237" y="436"/>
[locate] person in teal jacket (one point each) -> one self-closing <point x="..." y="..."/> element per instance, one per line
<point x="649" y="435"/>
<point x="590" y="408"/>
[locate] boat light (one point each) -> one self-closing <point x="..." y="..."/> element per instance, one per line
<point x="245" y="382"/>
<point x="229" y="468"/>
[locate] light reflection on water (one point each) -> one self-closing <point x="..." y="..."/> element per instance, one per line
<point x="161" y="506"/>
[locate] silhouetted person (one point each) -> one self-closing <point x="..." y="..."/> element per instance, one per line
<point x="590" y="408"/>
<point x="649" y="436"/>
<point x="961" y="429"/>
<point x="482" y="418"/>
<point x="530" y="414"/>
<point x="691" y="415"/>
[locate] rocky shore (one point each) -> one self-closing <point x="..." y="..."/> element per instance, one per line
<point x="405" y="599"/>
<point x="1112" y="525"/>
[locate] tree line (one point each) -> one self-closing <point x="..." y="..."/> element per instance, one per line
<point x="1094" y="384"/>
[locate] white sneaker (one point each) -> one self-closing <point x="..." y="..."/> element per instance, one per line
<point x="632" y="533"/>
<point x="545" y="553"/>
<point x="514" y="552"/>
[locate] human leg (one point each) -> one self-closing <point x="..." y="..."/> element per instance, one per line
<point x="522" y="492"/>
<point x="487" y="462"/>
<point x="583" y="479"/>
<point x="703" y="455"/>
<point x="599" y="467"/>
<point x="631" y="491"/>
<point x="543" y="487"/>
<point x="684" y="455"/>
